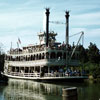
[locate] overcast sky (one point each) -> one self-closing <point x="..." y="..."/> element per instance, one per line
<point x="24" y="19"/>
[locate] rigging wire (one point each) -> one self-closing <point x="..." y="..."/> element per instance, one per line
<point x="75" y="34"/>
<point x="82" y="37"/>
<point x="56" y="22"/>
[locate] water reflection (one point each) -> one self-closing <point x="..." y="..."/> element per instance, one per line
<point x="2" y="87"/>
<point x="28" y="90"/>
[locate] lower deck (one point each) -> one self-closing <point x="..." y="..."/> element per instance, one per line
<point x="50" y="78"/>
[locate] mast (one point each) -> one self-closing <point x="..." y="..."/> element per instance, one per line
<point x="47" y="26"/>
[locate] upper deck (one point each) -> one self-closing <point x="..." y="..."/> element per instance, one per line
<point x="37" y="49"/>
<point x="41" y="55"/>
<point x="48" y="48"/>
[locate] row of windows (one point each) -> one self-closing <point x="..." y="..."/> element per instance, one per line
<point x="47" y="55"/>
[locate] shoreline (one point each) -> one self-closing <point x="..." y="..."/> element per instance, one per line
<point x="93" y="80"/>
<point x="3" y="79"/>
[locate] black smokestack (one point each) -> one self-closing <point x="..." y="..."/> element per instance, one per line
<point x="47" y="26"/>
<point x="67" y="28"/>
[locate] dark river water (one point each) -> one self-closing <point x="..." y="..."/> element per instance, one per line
<point x="29" y="90"/>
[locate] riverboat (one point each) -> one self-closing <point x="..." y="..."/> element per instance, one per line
<point x="47" y="61"/>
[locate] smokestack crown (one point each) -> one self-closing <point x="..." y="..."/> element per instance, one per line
<point x="67" y="14"/>
<point x="47" y="11"/>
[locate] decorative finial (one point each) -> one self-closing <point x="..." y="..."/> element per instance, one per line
<point x="67" y="13"/>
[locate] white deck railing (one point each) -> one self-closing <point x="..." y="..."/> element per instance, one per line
<point x="24" y="74"/>
<point x="36" y="74"/>
<point x="54" y="74"/>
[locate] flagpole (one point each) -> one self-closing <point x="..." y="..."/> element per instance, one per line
<point x="18" y="47"/>
<point x="19" y="41"/>
<point x="11" y="46"/>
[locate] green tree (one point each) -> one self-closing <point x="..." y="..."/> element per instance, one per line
<point x="93" y="53"/>
<point x="1" y="57"/>
<point x="82" y="54"/>
<point x="1" y="62"/>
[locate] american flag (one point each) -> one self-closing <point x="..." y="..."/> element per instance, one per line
<point x="19" y="40"/>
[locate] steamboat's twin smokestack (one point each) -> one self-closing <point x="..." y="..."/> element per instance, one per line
<point x="47" y="26"/>
<point x="67" y="28"/>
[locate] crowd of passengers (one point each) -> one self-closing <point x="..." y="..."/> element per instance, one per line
<point x="68" y="72"/>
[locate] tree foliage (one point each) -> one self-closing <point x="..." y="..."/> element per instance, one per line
<point x="93" y="53"/>
<point x="82" y="54"/>
<point x="1" y="62"/>
<point x="90" y="58"/>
